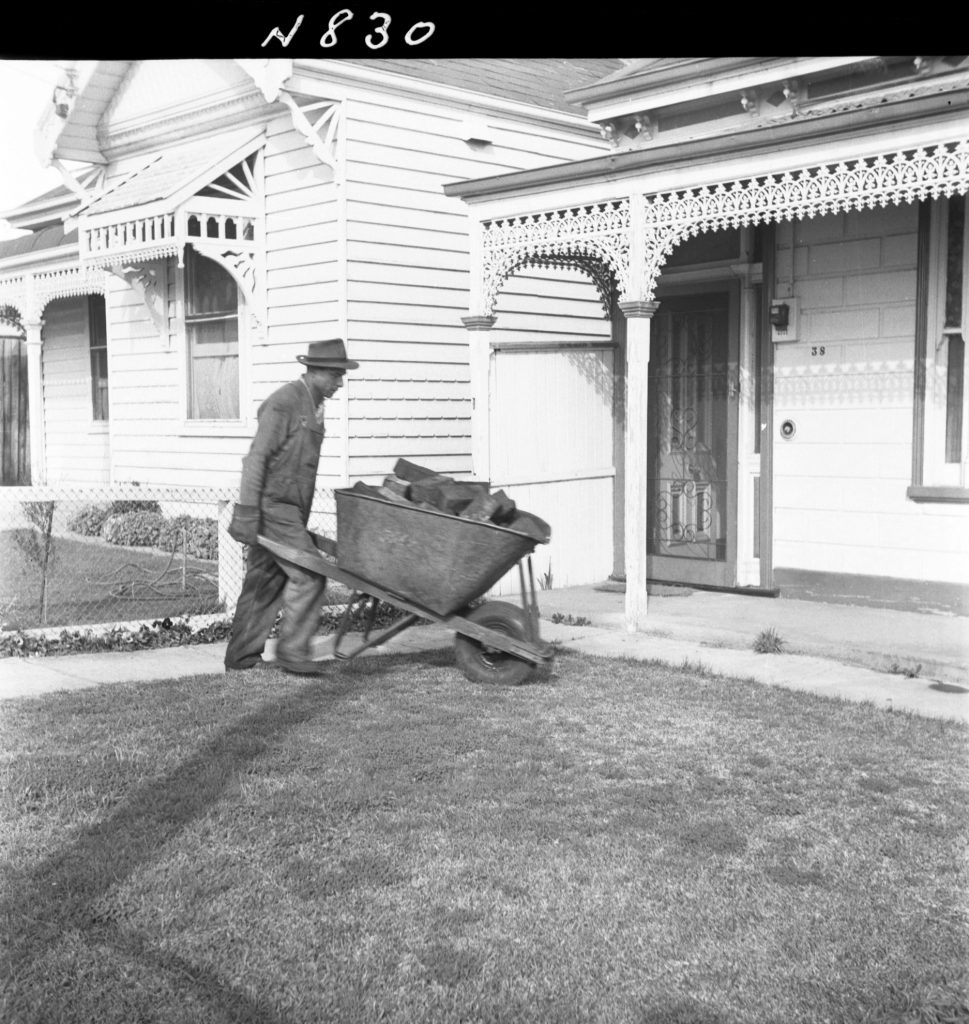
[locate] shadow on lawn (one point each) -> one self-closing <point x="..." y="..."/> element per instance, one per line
<point x="59" y="895"/>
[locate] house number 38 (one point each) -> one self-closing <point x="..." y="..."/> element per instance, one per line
<point x="817" y="350"/>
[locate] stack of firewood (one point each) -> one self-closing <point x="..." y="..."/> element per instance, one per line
<point x="419" y="487"/>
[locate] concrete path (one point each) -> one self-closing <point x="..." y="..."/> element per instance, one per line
<point x="837" y="651"/>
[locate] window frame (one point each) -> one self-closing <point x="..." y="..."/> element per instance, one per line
<point x="100" y="386"/>
<point x="205" y="425"/>
<point x="934" y="479"/>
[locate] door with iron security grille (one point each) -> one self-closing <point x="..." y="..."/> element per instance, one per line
<point x="692" y="440"/>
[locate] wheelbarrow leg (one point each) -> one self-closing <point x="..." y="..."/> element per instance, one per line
<point x="529" y="600"/>
<point x="398" y="627"/>
<point x="345" y="619"/>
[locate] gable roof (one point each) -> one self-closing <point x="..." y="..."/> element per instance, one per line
<point x="173" y="171"/>
<point x="537" y="82"/>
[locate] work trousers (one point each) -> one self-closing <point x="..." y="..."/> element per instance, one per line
<point x="268" y="584"/>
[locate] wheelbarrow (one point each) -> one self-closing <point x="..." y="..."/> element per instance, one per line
<point x="432" y="566"/>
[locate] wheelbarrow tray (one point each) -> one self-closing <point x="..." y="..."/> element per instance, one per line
<point x="322" y="563"/>
<point x="437" y="561"/>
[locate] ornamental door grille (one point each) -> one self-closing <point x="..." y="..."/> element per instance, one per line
<point x="691" y="447"/>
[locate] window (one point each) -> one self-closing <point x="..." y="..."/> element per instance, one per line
<point x="212" y="339"/>
<point x="941" y="442"/>
<point x="98" y="336"/>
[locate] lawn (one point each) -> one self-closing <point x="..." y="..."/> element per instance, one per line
<point x="91" y="581"/>
<point x="618" y="842"/>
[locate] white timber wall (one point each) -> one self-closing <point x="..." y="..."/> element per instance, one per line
<point x="155" y="442"/>
<point x="77" y="445"/>
<point x="408" y="274"/>
<point x="378" y="256"/>
<point x="551" y="447"/>
<point x="304" y="279"/>
<point x="552" y="417"/>
<point x="840" y="483"/>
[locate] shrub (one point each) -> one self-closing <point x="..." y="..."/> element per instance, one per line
<point x="120" y="507"/>
<point x="201" y="536"/>
<point x="133" y="529"/>
<point x="89" y="519"/>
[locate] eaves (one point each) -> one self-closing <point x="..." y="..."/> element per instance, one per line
<point x="325" y="72"/>
<point x="858" y="124"/>
<point x="62" y="257"/>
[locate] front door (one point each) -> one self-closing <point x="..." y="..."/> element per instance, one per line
<point x="692" y="439"/>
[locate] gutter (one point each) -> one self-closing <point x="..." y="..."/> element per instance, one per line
<point x="857" y="124"/>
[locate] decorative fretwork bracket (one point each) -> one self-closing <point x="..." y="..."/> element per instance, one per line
<point x="241" y="264"/>
<point x="150" y="284"/>
<point x="318" y="122"/>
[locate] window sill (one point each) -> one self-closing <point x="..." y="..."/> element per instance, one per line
<point x="215" y="428"/>
<point x="948" y="495"/>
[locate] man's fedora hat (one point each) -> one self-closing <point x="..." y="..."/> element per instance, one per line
<point x="328" y="355"/>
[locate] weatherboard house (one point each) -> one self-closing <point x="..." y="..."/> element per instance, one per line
<point x="219" y="215"/>
<point x="705" y="316"/>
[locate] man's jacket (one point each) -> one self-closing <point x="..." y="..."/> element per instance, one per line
<point x="279" y="473"/>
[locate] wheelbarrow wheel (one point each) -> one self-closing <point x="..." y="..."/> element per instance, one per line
<point x="484" y="664"/>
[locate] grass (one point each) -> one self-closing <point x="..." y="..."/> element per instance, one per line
<point x="96" y="582"/>
<point x="620" y="842"/>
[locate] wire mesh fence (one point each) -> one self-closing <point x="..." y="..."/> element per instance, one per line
<point x="80" y="556"/>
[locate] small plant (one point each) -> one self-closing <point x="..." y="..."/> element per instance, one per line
<point x="545" y="580"/>
<point x="768" y="642"/>
<point x="36" y="544"/>
<point x="898" y="669"/>
<point x="570" y="620"/>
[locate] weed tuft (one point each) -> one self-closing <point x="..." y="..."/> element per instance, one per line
<point x="768" y="642"/>
<point x="570" y="620"/>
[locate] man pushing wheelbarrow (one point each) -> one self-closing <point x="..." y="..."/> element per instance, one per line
<point x="396" y="548"/>
<point x="424" y="544"/>
<point x="275" y="499"/>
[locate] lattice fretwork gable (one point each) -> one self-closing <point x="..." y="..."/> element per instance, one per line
<point x="238" y="182"/>
<point x="222" y="220"/>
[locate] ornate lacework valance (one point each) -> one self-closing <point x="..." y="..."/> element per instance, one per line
<point x="30" y="293"/>
<point x="593" y="238"/>
<point x="602" y="233"/>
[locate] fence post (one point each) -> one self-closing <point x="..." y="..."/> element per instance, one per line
<point x="35" y="404"/>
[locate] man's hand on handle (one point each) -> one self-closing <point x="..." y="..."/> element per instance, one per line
<point x="244" y="526"/>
